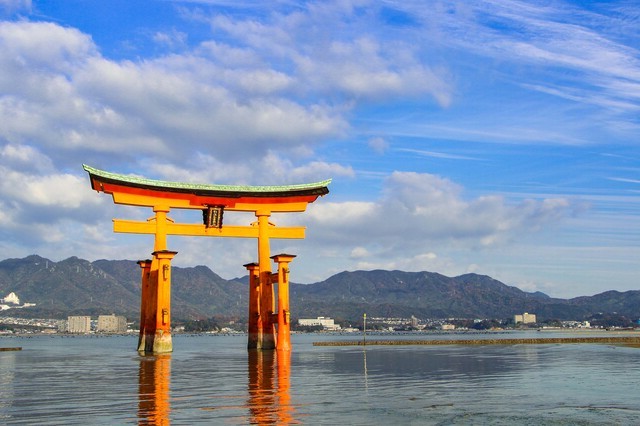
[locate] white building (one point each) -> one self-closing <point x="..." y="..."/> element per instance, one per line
<point x="525" y="318"/>
<point x="79" y="324"/>
<point x="11" y="298"/>
<point x="326" y="323"/>
<point x="414" y="322"/>
<point x="11" y="301"/>
<point x="111" y="324"/>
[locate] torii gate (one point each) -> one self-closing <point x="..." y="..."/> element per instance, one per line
<point x="213" y="200"/>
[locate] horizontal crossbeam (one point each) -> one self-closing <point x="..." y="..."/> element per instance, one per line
<point x="197" y="230"/>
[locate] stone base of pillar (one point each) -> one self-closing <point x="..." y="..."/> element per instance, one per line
<point x="162" y="342"/>
<point x="142" y="339"/>
<point x="158" y="343"/>
<point x="254" y="341"/>
<point x="268" y="341"/>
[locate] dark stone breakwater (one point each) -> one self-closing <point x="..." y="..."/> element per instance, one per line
<point x="632" y="340"/>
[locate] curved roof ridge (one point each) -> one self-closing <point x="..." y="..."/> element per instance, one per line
<point x="135" y="180"/>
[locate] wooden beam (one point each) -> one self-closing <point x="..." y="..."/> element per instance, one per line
<point x="293" y="204"/>
<point x="197" y="230"/>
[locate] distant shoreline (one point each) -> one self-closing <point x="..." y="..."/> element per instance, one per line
<point x="634" y="340"/>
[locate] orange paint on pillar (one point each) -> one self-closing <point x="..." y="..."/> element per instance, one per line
<point x="265" y="321"/>
<point x="150" y="303"/>
<point x="284" y="313"/>
<point x="254" y="329"/>
<point x="145" y="266"/>
<point x="162" y="342"/>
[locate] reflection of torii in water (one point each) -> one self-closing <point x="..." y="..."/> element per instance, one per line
<point x="214" y="201"/>
<point x="268" y="389"/>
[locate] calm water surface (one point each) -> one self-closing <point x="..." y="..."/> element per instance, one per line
<point x="214" y="380"/>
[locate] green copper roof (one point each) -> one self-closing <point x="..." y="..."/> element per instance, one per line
<point x="198" y="187"/>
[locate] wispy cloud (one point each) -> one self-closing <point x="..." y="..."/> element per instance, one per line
<point x="618" y="179"/>
<point x="439" y="154"/>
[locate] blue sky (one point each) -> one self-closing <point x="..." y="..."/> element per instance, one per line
<point x="495" y="137"/>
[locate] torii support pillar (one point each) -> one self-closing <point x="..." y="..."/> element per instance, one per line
<point x="145" y="266"/>
<point x="155" y="331"/>
<point x="255" y="331"/>
<point x="284" y="314"/>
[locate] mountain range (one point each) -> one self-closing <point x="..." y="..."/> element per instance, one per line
<point x="79" y="287"/>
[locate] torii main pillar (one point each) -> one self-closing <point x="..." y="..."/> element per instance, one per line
<point x="213" y="201"/>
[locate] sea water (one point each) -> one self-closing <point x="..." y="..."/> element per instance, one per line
<point x="208" y="379"/>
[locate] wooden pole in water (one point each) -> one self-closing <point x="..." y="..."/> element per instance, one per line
<point x="364" y="330"/>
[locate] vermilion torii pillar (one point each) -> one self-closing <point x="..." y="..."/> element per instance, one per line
<point x="213" y="201"/>
<point x="254" y="324"/>
<point x="145" y="292"/>
<point x="283" y="313"/>
<point x="259" y="311"/>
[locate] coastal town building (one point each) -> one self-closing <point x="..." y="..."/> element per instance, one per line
<point x="11" y="298"/>
<point x="414" y="322"/>
<point x="79" y="324"/>
<point x="525" y="318"/>
<point x="326" y="323"/>
<point x="575" y="324"/>
<point x="111" y="324"/>
<point x="396" y="323"/>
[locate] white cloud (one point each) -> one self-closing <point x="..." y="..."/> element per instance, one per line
<point x="30" y="180"/>
<point x="339" y="59"/>
<point x="172" y="39"/>
<point x="438" y="154"/>
<point x="359" y="253"/>
<point x="62" y="191"/>
<point x="13" y="6"/>
<point x="378" y="145"/>
<point x="25" y="157"/>
<point x="429" y="261"/>
<point x="57" y="89"/>
<point x="272" y="169"/>
<point x="426" y="209"/>
<point x="44" y="210"/>
<point x="624" y="180"/>
<point x="40" y="48"/>
<point x="574" y="48"/>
